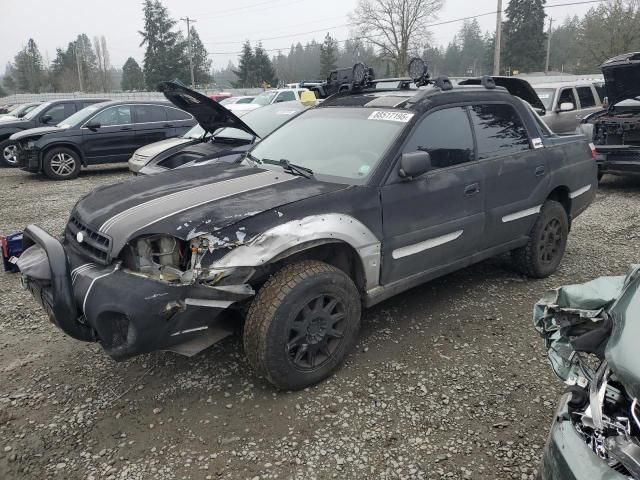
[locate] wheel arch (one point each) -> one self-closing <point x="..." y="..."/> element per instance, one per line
<point x="63" y="144"/>
<point x="561" y="194"/>
<point x="333" y="252"/>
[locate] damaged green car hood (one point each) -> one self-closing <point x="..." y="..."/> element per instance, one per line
<point x="605" y="310"/>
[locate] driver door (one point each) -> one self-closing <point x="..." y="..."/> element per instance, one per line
<point x="438" y="219"/>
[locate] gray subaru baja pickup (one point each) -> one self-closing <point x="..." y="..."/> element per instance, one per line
<point x="371" y="193"/>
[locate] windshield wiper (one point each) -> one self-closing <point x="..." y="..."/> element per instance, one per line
<point x="287" y="166"/>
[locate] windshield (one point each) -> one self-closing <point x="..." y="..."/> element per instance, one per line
<point x="79" y="117"/>
<point x="546" y="96"/>
<point x="263" y="121"/>
<point x="341" y="143"/>
<point x="36" y="111"/>
<point x="196" y="132"/>
<point x="264" y="98"/>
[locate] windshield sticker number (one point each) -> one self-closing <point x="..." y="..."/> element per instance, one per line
<point x="391" y="116"/>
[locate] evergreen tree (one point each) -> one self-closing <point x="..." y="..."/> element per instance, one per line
<point x="132" y="77"/>
<point x="328" y="56"/>
<point x="472" y="48"/>
<point x="245" y="72"/>
<point x="524" y="37"/>
<point x="201" y="62"/>
<point x="164" y="55"/>
<point x="3" y="92"/>
<point x="29" y="69"/>
<point x="263" y="69"/>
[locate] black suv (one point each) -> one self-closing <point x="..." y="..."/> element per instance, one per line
<point x="367" y="195"/>
<point x="48" y="113"/>
<point x="107" y="132"/>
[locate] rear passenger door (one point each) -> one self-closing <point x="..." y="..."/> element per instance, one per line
<point x="515" y="169"/>
<point x="151" y="124"/>
<point x="179" y="120"/>
<point x="435" y="220"/>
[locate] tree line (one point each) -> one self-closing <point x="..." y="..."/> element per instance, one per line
<point x="385" y="38"/>
<point x="85" y="65"/>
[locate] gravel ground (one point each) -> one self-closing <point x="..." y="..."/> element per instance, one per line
<point x="449" y="380"/>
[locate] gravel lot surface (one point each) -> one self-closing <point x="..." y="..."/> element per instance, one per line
<point x="449" y="380"/>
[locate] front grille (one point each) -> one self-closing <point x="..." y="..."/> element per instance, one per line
<point x="94" y="244"/>
<point x="27" y="159"/>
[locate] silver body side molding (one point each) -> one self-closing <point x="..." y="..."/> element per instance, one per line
<point x="425" y="245"/>
<point x="521" y="214"/>
<point x="580" y="191"/>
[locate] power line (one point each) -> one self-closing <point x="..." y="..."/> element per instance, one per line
<point x="436" y="24"/>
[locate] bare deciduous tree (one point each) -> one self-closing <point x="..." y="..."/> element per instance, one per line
<point x="104" y="64"/>
<point x="396" y="27"/>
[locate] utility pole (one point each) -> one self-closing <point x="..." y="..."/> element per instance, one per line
<point x="496" y="52"/>
<point x="79" y="65"/>
<point x="189" y="21"/>
<point x="546" y="67"/>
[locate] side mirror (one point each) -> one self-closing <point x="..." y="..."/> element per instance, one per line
<point x="93" y="125"/>
<point x="46" y="118"/>
<point x="567" y="107"/>
<point x="22" y="114"/>
<point x="414" y="164"/>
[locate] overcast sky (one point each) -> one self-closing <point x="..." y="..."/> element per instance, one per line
<point x="222" y="25"/>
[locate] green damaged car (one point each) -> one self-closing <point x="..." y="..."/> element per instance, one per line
<point x="592" y="334"/>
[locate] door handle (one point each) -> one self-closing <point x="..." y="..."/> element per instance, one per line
<point x="471" y="190"/>
<point x="540" y="170"/>
<point x="168" y="125"/>
<point x="125" y="129"/>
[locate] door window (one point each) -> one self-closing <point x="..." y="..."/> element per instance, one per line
<point x="150" y="113"/>
<point x="499" y="130"/>
<point x="176" y="114"/>
<point x="567" y="96"/>
<point x="59" y="112"/>
<point x="446" y="135"/>
<point x="285" y="97"/>
<point x="112" y="116"/>
<point x="586" y="97"/>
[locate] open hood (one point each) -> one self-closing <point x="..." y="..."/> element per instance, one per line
<point x="622" y="77"/>
<point x="210" y="114"/>
<point x="517" y="87"/>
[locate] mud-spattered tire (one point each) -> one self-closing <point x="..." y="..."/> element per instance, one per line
<point x="61" y="164"/>
<point x="542" y="255"/>
<point x="307" y="309"/>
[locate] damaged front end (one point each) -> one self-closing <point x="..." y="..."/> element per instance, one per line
<point x="158" y="294"/>
<point x="591" y="333"/>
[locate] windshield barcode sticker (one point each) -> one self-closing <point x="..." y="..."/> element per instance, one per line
<point x="391" y="116"/>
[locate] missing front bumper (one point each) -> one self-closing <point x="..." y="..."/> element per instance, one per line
<point x="128" y="314"/>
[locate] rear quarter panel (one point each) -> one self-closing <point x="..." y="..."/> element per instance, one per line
<point x="572" y="167"/>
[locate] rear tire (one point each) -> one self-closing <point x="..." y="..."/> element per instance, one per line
<point x="542" y="255"/>
<point x="61" y="164"/>
<point x="301" y="324"/>
<point x="8" y="151"/>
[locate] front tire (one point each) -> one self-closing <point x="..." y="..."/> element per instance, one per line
<point x="301" y="324"/>
<point x="61" y="164"/>
<point x="542" y="255"/>
<point x="8" y="153"/>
